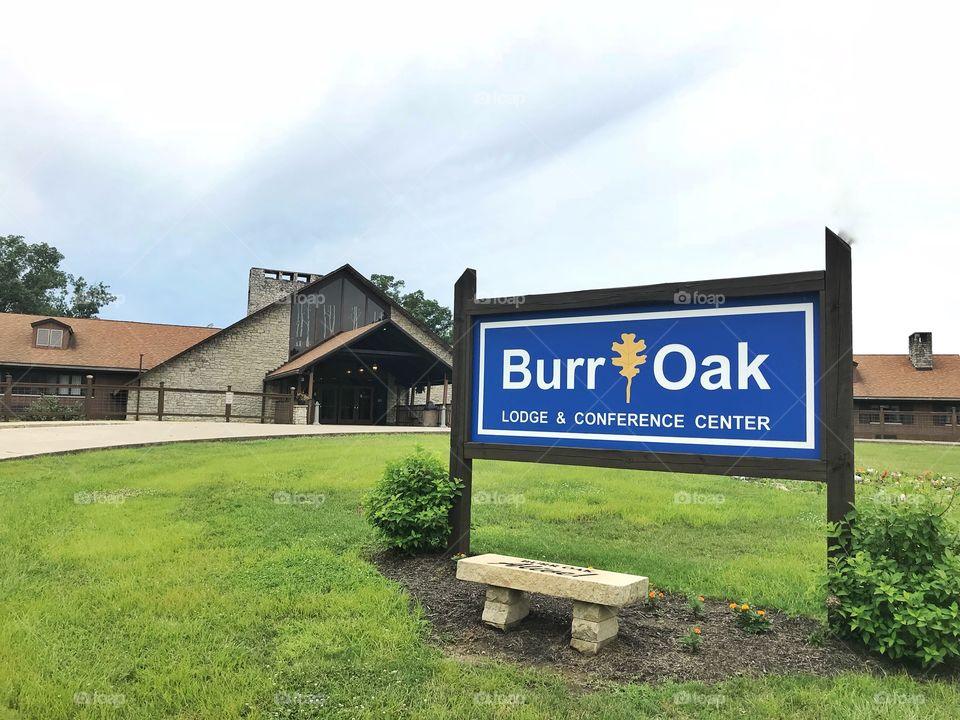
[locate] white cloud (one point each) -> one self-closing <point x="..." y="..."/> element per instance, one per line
<point x="551" y="146"/>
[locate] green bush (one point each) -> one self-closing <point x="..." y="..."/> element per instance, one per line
<point x="898" y="585"/>
<point x="410" y="504"/>
<point x="50" y="407"/>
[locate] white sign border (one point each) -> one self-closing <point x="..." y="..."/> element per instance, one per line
<point x="809" y="399"/>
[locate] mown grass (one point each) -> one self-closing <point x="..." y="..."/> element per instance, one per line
<point x="202" y="596"/>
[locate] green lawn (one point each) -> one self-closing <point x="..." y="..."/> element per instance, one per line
<point x="202" y="596"/>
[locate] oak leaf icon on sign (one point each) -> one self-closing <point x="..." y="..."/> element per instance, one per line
<point x="628" y="357"/>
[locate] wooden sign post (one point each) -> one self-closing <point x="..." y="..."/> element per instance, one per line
<point x="742" y="376"/>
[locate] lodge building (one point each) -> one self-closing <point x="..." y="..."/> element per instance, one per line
<point x="340" y="345"/>
<point x="38" y="352"/>
<point x="337" y="347"/>
<point x="911" y="396"/>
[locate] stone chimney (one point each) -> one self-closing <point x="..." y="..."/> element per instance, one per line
<point x="921" y="350"/>
<point x="267" y="286"/>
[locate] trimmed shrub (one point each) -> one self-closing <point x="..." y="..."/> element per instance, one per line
<point x="410" y="504"/>
<point x="50" y="407"/>
<point x="897" y="588"/>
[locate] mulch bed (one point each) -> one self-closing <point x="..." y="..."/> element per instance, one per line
<point x="645" y="650"/>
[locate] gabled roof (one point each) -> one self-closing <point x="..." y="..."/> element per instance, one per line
<point x="55" y="321"/>
<point x="893" y="376"/>
<point x="367" y="284"/>
<point x="107" y="344"/>
<point x="324" y="348"/>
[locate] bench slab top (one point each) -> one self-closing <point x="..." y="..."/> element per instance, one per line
<point x="567" y="581"/>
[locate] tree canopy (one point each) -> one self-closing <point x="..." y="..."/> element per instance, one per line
<point x="435" y="316"/>
<point x="31" y="282"/>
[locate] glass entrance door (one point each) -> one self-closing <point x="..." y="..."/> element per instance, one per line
<point x="327" y="401"/>
<point x="348" y="405"/>
<point x="354" y="405"/>
<point x="364" y="405"/>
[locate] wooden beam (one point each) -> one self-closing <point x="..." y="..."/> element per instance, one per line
<point x="663" y="293"/>
<point x="310" y="412"/>
<point x="461" y="467"/>
<point x="837" y="384"/>
<point x="389" y="353"/>
<point x="663" y="462"/>
<point x="443" y="405"/>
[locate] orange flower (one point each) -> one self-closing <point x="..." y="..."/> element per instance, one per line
<point x="700" y="598"/>
<point x="696" y="631"/>
<point x="733" y="606"/>
<point x="661" y="596"/>
<point x="744" y="607"/>
<point x="651" y="594"/>
<point x="761" y="613"/>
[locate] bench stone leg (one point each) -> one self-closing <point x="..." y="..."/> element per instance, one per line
<point x="594" y="627"/>
<point x="505" y="607"/>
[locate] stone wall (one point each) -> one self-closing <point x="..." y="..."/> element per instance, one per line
<point x="425" y="338"/>
<point x="429" y="341"/>
<point x="240" y="356"/>
<point x="436" y="395"/>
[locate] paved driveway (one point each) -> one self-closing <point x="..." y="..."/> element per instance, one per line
<point x="27" y="439"/>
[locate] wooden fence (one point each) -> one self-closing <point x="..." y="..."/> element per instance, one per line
<point x="97" y="402"/>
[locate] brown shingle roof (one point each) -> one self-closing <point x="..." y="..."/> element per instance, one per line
<point x="114" y="344"/>
<point x="324" y="348"/>
<point x="893" y="376"/>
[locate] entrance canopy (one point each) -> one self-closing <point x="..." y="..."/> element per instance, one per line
<point x="378" y="348"/>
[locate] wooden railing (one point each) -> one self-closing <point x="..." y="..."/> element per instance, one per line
<point x="421" y="414"/>
<point x="92" y="401"/>
<point x="887" y="424"/>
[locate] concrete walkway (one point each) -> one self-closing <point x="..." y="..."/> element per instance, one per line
<point x="18" y="440"/>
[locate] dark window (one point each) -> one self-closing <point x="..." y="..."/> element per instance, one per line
<point x="75" y="381"/>
<point x="42" y="383"/>
<point x="50" y="337"/>
<point x="354" y="307"/>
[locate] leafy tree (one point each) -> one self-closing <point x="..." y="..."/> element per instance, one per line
<point x="435" y="316"/>
<point x="32" y="282"/>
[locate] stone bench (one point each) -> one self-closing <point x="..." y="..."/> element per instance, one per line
<point x="597" y="595"/>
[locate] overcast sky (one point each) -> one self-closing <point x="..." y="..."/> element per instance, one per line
<point x="167" y="150"/>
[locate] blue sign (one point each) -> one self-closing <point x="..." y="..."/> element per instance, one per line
<point x="734" y="378"/>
